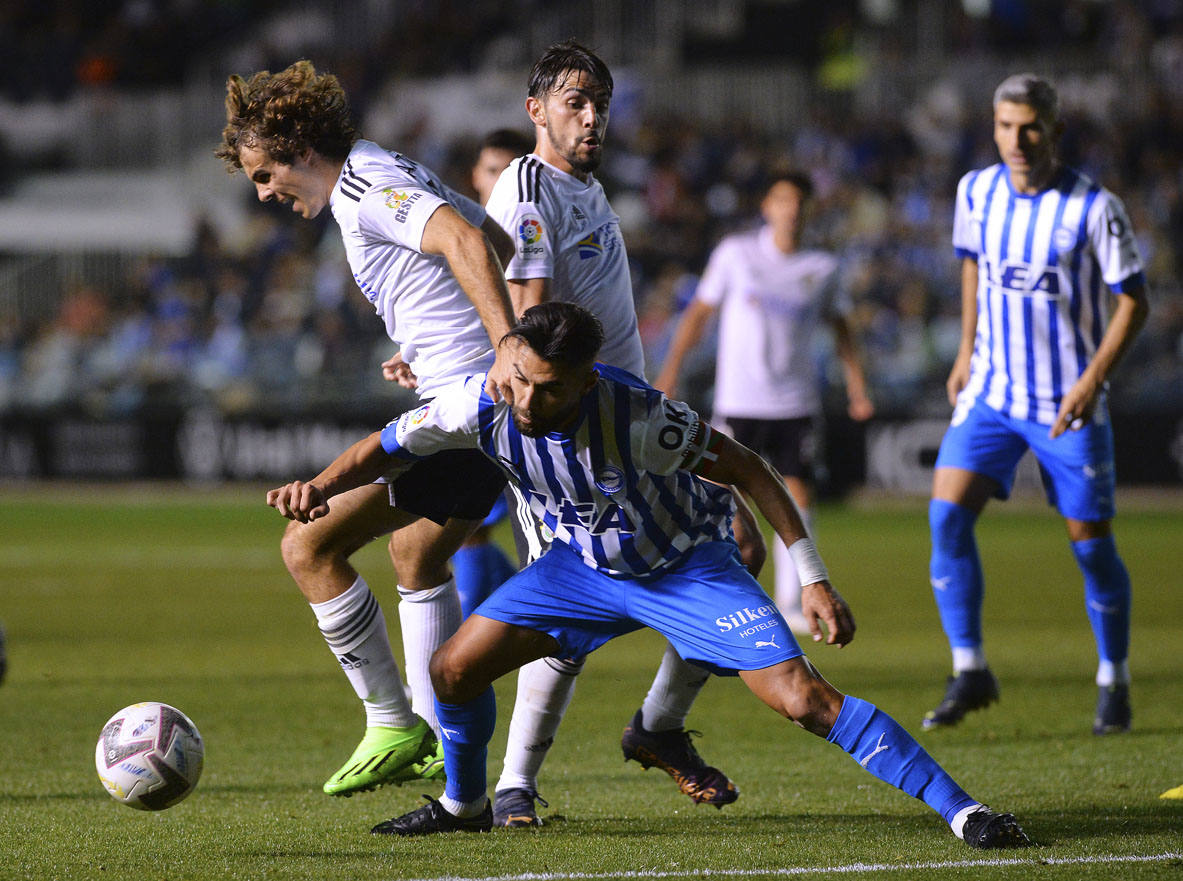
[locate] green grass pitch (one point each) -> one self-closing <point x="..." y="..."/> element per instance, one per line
<point x="115" y="596"/>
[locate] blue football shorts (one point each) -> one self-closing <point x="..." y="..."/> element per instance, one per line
<point x="1077" y="467"/>
<point x="709" y="607"/>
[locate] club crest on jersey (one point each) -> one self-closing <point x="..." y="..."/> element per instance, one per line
<point x="609" y="479"/>
<point x="1064" y="239"/>
<point x="590" y="246"/>
<point x="400" y="202"/>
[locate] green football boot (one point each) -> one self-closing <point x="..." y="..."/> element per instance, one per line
<point x="382" y="757"/>
<point x="430" y="768"/>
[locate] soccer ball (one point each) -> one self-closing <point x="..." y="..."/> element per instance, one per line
<point x="149" y="756"/>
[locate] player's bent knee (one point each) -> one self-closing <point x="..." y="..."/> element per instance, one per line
<point x="297" y="554"/>
<point x="453" y="681"/>
<point x="951" y="524"/>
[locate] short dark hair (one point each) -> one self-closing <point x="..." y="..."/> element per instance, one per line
<point x="800" y="179"/>
<point x="508" y="139"/>
<point x="563" y="58"/>
<point x="561" y="333"/>
<point x="286" y="113"/>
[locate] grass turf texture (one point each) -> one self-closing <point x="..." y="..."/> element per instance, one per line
<point x="111" y="597"/>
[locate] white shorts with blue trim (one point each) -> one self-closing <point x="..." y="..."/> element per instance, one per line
<point x="1077" y="467"/>
<point x="709" y="607"/>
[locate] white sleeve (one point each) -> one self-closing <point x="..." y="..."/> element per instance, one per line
<point x="398" y="214"/>
<point x="533" y="236"/>
<point x="965" y="232"/>
<point x="1112" y="239"/>
<point x="712" y="287"/>
<point x="449" y="422"/>
<point x="665" y="441"/>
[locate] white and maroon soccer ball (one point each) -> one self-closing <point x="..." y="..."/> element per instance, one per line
<point x="149" y="756"/>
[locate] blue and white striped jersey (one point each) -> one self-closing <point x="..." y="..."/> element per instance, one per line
<point x="1043" y="263"/>
<point x="616" y="488"/>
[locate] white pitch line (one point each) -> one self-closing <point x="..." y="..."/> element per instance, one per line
<point x="809" y="870"/>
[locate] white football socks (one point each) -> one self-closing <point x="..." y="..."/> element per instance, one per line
<point x="957" y="824"/>
<point x="428" y="618"/>
<point x="672" y="693"/>
<point x="1113" y="673"/>
<point x="355" y="629"/>
<point x="968" y="658"/>
<point x="545" y="688"/>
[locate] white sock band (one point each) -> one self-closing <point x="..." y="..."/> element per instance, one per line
<point x="1113" y="673"/>
<point x="463" y="808"/>
<point x="957" y="824"/>
<point x="968" y="658"/>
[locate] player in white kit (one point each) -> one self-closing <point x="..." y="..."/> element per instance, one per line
<point x="428" y="260"/>
<point x="568" y="248"/>
<point x="772" y="296"/>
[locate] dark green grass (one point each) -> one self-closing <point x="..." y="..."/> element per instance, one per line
<point x="110" y="598"/>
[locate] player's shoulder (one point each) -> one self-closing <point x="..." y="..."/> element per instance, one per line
<point x="738" y="241"/>
<point x="522" y="180"/>
<point x="980" y="177"/>
<point x="818" y="259"/>
<point x="616" y="382"/>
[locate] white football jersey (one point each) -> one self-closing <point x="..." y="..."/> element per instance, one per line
<point x="565" y="230"/>
<point x="382" y="202"/>
<point x="615" y="488"/>
<point x="771" y="305"/>
<point x="1043" y="263"/>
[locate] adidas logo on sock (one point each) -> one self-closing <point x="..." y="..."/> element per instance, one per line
<point x="350" y="661"/>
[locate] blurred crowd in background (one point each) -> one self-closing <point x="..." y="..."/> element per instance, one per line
<point x="270" y="318"/>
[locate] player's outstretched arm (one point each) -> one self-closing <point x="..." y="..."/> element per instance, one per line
<point x="727" y="461"/>
<point x="362" y="463"/>
<point x="691" y="327"/>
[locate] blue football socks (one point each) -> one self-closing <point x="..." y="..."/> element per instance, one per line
<point x="465" y="730"/>
<point x="881" y="746"/>
<point x="479" y="569"/>
<point x="956" y="572"/>
<point x="1106" y="594"/>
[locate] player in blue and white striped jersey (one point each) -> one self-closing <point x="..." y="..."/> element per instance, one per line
<point x="641" y="540"/>
<point x="1052" y="295"/>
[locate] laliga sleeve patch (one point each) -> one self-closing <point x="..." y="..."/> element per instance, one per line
<point x="409" y="421"/>
<point x="529" y="235"/>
